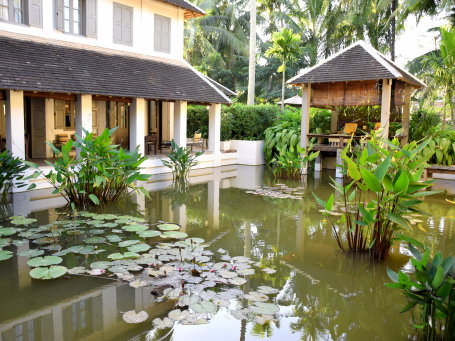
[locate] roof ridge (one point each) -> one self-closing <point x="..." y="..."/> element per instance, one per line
<point x="376" y="54"/>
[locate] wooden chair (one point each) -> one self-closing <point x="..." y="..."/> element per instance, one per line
<point x="197" y="141"/>
<point x="349" y="129"/>
<point x="151" y="140"/>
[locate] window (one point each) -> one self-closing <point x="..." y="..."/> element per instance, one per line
<point x="123" y="24"/>
<point x="76" y="17"/>
<point x="72" y="16"/>
<point x="65" y="114"/>
<point x="162" y="34"/>
<point x="12" y="10"/>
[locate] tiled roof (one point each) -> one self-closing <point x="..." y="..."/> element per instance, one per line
<point x="36" y="64"/>
<point x="186" y="5"/>
<point x="357" y="62"/>
<point x="222" y="88"/>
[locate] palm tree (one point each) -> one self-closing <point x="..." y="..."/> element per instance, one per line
<point x="252" y="55"/>
<point x="286" y="46"/>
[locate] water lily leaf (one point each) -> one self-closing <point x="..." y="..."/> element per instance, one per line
<point x="4" y="255"/>
<point x="169" y="227"/>
<point x="44" y="261"/>
<point x="127" y="243"/>
<point x="133" y="317"/>
<point x="118" y="269"/>
<point x="100" y="265"/>
<point x="149" y="234"/>
<point x="240" y="314"/>
<point x="174" y="235"/>
<point x="178" y="315"/>
<point x="122" y="221"/>
<point x="204" y="307"/>
<point x="31" y="253"/>
<point x="237" y="281"/>
<point x="187" y="300"/>
<point x="113" y="238"/>
<point x="256" y="296"/>
<point x="194" y="241"/>
<point x="264" y="308"/>
<point x="227" y="274"/>
<point x="138" y="284"/>
<point x="126" y="255"/>
<point x="4" y="242"/>
<point x="163" y="324"/>
<point x="139" y="248"/>
<point x="77" y="270"/>
<point x="245" y="272"/>
<point x="95" y="240"/>
<point x="48" y="272"/>
<point x="241" y="259"/>
<point x="96" y="231"/>
<point x="7" y="231"/>
<point x="269" y="271"/>
<point x="19" y="220"/>
<point x="267" y="290"/>
<point x="135" y="228"/>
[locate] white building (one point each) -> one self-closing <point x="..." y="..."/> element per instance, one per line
<point x="69" y="65"/>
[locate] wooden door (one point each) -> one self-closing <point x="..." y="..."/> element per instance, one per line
<point x="38" y="130"/>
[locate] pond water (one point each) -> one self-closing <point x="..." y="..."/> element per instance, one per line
<point x="324" y="294"/>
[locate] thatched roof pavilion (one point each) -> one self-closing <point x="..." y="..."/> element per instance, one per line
<point x="357" y="75"/>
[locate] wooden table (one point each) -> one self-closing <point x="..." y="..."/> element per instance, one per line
<point x="331" y="147"/>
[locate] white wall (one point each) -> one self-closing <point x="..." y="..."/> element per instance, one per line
<point x="143" y="26"/>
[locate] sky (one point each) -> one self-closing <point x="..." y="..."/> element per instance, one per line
<point x="416" y="40"/>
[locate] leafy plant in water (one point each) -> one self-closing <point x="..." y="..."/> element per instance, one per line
<point x="180" y="162"/>
<point x="430" y="292"/>
<point x="383" y="187"/>
<point x="441" y="148"/>
<point x="102" y="173"/>
<point x="288" y="163"/>
<point x="12" y="174"/>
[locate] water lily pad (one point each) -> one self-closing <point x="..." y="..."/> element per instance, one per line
<point x="113" y="238"/>
<point x="267" y="290"/>
<point x="169" y="227"/>
<point x="95" y="240"/>
<point x="269" y="271"/>
<point x="163" y="324"/>
<point x="77" y="270"/>
<point x="228" y="274"/>
<point x="174" y="235"/>
<point x="149" y="234"/>
<point x="19" y="220"/>
<point x="204" y="307"/>
<point x="48" y="272"/>
<point x="100" y="265"/>
<point x="4" y="242"/>
<point x="7" y="231"/>
<point x="256" y="296"/>
<point x="139" y="248"/>
<point x="178" y="315"/>
<point x="96" y="272"/>
<point x="245" y="272"/>
<point x="126" y="255"/>
<point x="190" y="241"/>
<point x="237" y="281"/>
<point x="127" y="243"/>
<point x="133" y="317"/>
<point x="187" y="300"/>
<point x="4" y="255"/>
<point x="264" y="308"/>
<point x="44" y="261"/>
<point x="135" y="228"/>
<point x="31" y="253"/>
<point x="138" y="284"/>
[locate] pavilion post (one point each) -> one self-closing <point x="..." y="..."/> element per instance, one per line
<point x="15" y="123"/>
<point x="406" y="115"/>
<point x="334" y="121"/>
<point x="180" y="116"/>
<point x="138" y="113"/>
<point x="386" y="101"/>
<point x="305" y="121"/>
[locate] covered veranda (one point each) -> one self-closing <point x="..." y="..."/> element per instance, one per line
<point x="90" y="89"/>
<point x="356" y="76"/>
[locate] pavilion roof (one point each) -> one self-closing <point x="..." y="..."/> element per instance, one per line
<point x="357" y="62"/>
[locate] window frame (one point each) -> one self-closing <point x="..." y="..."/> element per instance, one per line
<point x="155" y="33"/>
<point x="122" y="7"/>
<point x="11" y="12"/>
<point x="71" y="20"/>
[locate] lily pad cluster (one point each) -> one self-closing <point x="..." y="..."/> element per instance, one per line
<point x="159" y="256"/>
<point x="279" y="191"/>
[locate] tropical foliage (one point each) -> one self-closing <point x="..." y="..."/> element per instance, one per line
<point x="383" y="189"/>
<point x="430" y="292"/>
<point x="12" y="174"/>
<point x="289" y="163"/>
<point x="103" y="172"/>
<point x="180" y="162"/>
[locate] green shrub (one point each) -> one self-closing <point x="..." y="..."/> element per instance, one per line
<point x="11" y="174"/>
<point x="320" y="120"/>
<point x="423" y="123"/>
<point x="238" y="121"/>
<point x="180" y="162"/>
<point x="430" y="292"/>
<point x="103" y="172"/>
<point x="288" y="164"/>
<point x="441" y="149"/>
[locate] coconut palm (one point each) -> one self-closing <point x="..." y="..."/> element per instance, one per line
<point x="287" y="47"/>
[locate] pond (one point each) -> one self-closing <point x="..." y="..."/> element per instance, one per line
<point x="322" y="293"/>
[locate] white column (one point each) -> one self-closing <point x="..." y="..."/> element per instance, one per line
<point x="318" y="163"/>
<point x="50" y="125"/>
<point x="109" y="299"/>
<point x="213" y="200"/>
<point x="15" y="123"/>
<point x="385" y="106"/>
<point x="180" y="217"/>
<point x="305" y="123"/>
<point x="406" y="115"/>
<point x="339" y="163"/>
<point x="180" y="113"/>
<point x="215" y="128"/>
<point x="137" y="122"/>
<point x="83" y="114"/>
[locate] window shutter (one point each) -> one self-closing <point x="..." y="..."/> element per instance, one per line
<point x="59" y="25"/>
<point x="127" y="25"/>
<point x="117" y="24"/>
<point x="59" y="114"/>
<point x="162" y="33"/>
<point x="90" y="18"/>
<point x="35" y="13"/>
<point x="157" y="35"/>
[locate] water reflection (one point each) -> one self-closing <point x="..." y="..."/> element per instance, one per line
<point x="325" y="294"/>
